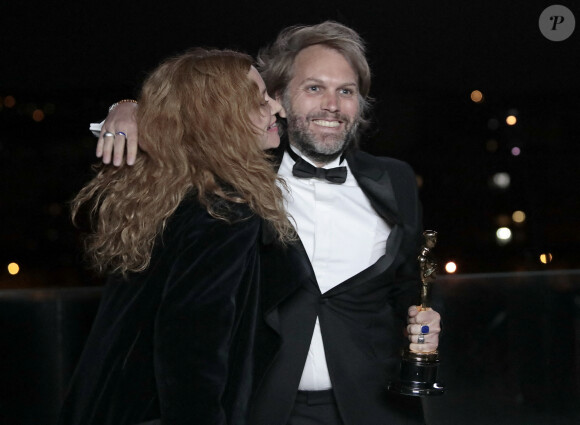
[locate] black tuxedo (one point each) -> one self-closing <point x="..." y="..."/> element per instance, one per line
<point x="361" y="319"/>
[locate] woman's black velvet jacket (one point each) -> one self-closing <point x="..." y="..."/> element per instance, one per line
<point x="176" y="344"/>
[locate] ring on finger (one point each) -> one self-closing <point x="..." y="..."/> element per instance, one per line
<point x="425" y="329"/>
<point x="120" y="133"/>
<point x="421" y="339"/>
<point x="108" y="134"/>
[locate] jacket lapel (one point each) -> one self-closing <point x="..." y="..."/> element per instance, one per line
<point x="375" y="182"/>
<point x="287" y="268"/>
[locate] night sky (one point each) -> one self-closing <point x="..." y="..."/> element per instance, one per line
<point x="63" y="63"/>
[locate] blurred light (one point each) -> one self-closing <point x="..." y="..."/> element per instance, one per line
<point x="9" y="101"/>
<point x="502" y="220"/>
<point x="13" y="268"/>
<point x="519" y="216"/>
<point x="511" y="120"/>
<point x="516" y="151"/>
<point x="476" y="96"/>
<point x="501" y="180"/>
<point x="491" y="145"/>
<point x="493" y="124"/>
<point x="503" y="235"/>
<point x="419" y="180"/>
<point x="37" y="115"/>
<point x="546" y="258"/>
<point x="450" y="267"/>
<point x="49" y="108"/>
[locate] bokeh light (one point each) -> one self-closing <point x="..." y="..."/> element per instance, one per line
<point x="546" y="258"/>
<point x="519" y="216"/>
<point x="491" y="145"/>
<point x="419" y="180"/>
<point x="450" y="267"/>
<point x="503" y="235"/>
<point x="13" y="268"/>
<point x="501" y="180"/>
<point x="9" y="101"/>
<point x="511" y="120"/>
<point x="38" y="115"/>
<point x="476" y="96"/>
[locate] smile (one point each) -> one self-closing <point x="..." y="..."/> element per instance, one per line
<point x="273" y="126"/>
<point x="325" y="123"/>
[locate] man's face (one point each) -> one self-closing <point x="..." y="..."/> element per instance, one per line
<point x="322" y="103"/>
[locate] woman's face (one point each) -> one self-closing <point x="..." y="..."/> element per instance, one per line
<point x="265" y="118"/>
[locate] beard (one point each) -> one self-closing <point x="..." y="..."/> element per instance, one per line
<point x="319" y="148"/>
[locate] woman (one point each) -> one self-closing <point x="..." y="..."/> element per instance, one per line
<point x="175" y="339"/>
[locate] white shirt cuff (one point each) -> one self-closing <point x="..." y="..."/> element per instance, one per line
<point x="96" y="127"/>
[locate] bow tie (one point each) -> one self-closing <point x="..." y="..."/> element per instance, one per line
<point x="305" y="170"/>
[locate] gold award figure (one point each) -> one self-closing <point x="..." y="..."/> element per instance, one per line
<point x="428" y="266"/>
<point x="418" y="374"/>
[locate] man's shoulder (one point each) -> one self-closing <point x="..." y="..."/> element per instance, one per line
<point x="382" y="161"/>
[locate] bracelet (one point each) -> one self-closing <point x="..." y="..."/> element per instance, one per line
<point x="114" y="105"/>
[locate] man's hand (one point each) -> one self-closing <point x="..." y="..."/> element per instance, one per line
<point x="121" y="121"/>
<point x="423" y="325"/>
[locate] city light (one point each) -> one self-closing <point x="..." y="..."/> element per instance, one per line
<point x="476" y="96"/>
<point x="450" y="267"/>
<point x="9" y="101"/>
<point x="519" y="216"/>
<point x="511" y="120"/>
<point x="13" y="268"/>
<point x="516" y="151"/>
<point x="38" y="115"/>
<point x="503" y="235"/>
<point x="491" y="145"/>
<point x="545" y="258"/>
<point x="501" y="180"/>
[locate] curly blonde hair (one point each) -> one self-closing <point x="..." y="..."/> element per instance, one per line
<point x="194" y="126"/>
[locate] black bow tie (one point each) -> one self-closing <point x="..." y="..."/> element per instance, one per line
<point x="305" y="170"/>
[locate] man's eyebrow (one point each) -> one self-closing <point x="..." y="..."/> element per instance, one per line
<point x="318" y="81"/>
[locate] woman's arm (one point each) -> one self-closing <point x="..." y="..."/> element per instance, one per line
<point x="196" y="317"/>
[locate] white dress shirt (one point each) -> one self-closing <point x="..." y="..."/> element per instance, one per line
<point x="342" y="235"/>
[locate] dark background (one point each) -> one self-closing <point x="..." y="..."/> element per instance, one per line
<point x="71" y="60"/>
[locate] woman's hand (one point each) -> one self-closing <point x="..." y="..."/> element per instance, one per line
<point x="119" y="130"/>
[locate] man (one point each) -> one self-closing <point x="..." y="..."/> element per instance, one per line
<point x="337" y="298"/>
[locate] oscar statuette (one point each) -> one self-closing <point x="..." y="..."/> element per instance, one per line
<point x="418" y="374"/>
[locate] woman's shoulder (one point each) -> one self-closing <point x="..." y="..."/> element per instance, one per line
<point x="227" y="216"/>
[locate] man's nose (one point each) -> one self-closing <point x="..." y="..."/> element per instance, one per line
<point x="330" y="102"/>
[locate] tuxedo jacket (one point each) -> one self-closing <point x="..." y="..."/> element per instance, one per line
<point x="361" y="319"/>
<point x="176" y="344"/>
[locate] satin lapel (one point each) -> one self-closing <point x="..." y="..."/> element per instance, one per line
<point x="375" y="182"/>
<point x="382" y="264"/>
